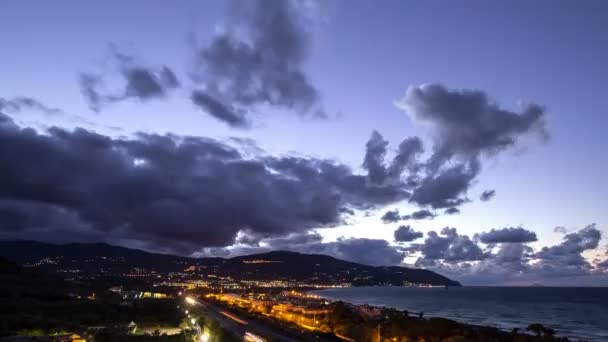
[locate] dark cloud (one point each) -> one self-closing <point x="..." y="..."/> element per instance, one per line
<point x="374" y="158"/>
<point x="171" y="192"/>
<point x="419" y="215"/>
<point x="266" y="66"/>
<point x="138" y="82"/>
<point x="391" y="216"/>
<point x="487" y="195"/>
<point x="406" y="234"/>
<point x="466" y="123"/>
<point x="347" y="211"/>
<point x="406" y="157"/>
<point x="515" y="262"/>
<point x="565" y="258"/>
<point x="449" y="247"/>
<point x="447" y="188"/>
<point x="219" y="110"/>
<point x="452" y="211"/>
<point x="508" y="235"/>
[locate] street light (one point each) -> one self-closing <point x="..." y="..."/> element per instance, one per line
<point x="190" y="300"/>
<point x="193" y="321"/>
<point x="205" y="337"/>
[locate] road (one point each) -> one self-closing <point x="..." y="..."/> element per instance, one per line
<point x="239" y="325"/>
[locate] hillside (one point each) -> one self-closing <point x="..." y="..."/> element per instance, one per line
<point x="100" y="258"/>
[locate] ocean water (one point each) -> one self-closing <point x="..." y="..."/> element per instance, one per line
<point x="576" y="313"/>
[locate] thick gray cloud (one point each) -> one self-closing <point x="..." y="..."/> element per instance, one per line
<point x="466" y="123"/>
<point x="406" y="157"/>
<point x="565" y="258"/>
<point x="391" y="216"/>
<point x="406" y="234"/>
<point x="419" y="215"/>
<point x="452" y="211"/>
<point x="446" y="188"/>
<point x="449" y="247"/>
<point x="374" y="158"/>
<point x="487" y="195"/>
<point x="508" y="235"/>
<point x="511" y="262"/>
<point x="181" y="193"/>
<point x="139" y="82"/>
<point x="263" y="68"/>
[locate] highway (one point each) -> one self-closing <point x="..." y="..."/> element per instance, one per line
<point x="238" y="325"/>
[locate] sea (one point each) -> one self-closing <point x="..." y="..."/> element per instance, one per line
<point x="581" y="314"/>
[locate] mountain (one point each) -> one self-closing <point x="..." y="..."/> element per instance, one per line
<point x="104" y="259"/>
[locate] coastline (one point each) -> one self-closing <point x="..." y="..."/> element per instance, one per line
<point x="438" y="304"/>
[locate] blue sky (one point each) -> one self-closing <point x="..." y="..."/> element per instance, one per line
<point x="363" y="56"/>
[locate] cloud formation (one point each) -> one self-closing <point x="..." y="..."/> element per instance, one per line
<point x="448" y="246"/>
<point x="419" y="215"/>
<point x="391" y="216"/>
<point x="487" y="195"/>
<point x="138" y="82"/>
<point x="167" y="192"/>
<point x="565" y="258"/>
<point x="465" y="125"/>
<point x="451" y="211"/>
<point x="264" y="65"/>
<point x="446" y="188"/>
<point x="508" y="235"/>
<point x="503" y="257"/>
<point x="20" y="103"/>
<point x="407" y="234"/>
<point x="219" y="110"/>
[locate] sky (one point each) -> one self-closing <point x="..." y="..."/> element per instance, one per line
<point x="466" y="137"/>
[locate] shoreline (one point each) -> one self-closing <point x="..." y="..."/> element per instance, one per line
<point x="520" y="324"/>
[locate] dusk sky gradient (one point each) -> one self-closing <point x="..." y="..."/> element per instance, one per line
<point x="360" y="58"/>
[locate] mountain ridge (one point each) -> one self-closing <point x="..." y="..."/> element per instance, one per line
<point x="280" y="264"/>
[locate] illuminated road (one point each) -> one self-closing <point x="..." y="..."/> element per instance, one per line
<point x="240" y="326"/>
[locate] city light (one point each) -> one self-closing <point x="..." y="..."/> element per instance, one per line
<point x="253" y="338"/>
<point x="205" y="337"/>
<point x="190" y="300"/>
<point x="193" y="321"/>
